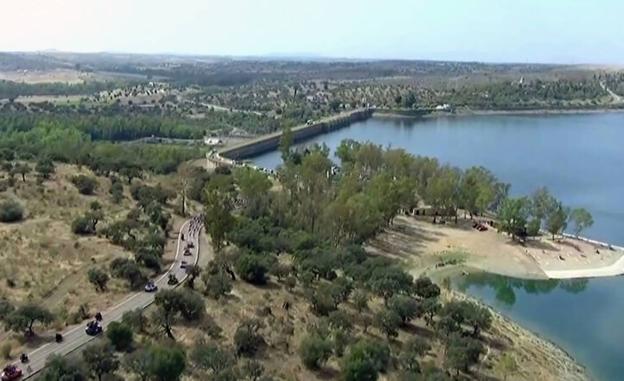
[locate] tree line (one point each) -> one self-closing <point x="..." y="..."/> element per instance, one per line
<point x="11" y="90"/>
<point x="530" y="94"/>
<point x="321" y="217"/>
<point x="524" y="217"/>
<point x="68" y="144"/>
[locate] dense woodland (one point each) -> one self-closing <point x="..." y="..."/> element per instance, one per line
<point x="59" y="142"/>
<point x="12" y="90"/>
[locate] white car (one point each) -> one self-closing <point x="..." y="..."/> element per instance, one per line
<point x="151" y="287"/>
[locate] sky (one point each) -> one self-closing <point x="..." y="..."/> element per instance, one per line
<point x="557" y="31"/>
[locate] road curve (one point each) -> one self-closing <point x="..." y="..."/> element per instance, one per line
<point x="75" y="337"/>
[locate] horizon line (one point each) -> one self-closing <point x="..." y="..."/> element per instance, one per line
<point x="309" y="57"/>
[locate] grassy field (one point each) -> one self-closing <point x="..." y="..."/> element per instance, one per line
<point x="42" y="259"/>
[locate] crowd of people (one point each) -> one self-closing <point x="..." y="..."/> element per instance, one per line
<point x="195" y="225"/>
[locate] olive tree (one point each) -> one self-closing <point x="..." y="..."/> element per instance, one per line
<point x="314" y="351"/>
<point x="100" y="359"/>
<point x="581" y="219"/>
<point x="24" y="317"/>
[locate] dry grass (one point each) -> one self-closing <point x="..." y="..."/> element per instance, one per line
<point x="283" y="331"/>
<point x="42" y="259"/>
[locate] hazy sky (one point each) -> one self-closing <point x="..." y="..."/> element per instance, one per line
<point x="572" y="31"/>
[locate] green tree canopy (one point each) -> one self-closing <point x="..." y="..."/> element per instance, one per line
<point x="581" y="219"/>
<point x="314" y="351"/>
<point x="100" y="359"/>
<point x="24" y="317"/>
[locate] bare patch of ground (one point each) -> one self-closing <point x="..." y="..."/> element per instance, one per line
<point x="424" y="246"/>
<point x="45" y="76"/>
<point x="64" y="76"/>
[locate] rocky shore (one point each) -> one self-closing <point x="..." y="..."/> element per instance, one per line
<point x="537" y="357"/>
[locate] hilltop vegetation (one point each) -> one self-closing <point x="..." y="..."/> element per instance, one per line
<point x="290" y="291"/>
<point x="41" y="252"/>
<point x="234" y="96"/>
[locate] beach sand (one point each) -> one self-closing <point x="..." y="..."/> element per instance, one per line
<point x="424" y="246"/>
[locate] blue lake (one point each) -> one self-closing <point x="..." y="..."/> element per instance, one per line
<point x="580" y="158"/>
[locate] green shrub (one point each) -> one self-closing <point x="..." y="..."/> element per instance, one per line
<point x="314" y="351"/>
<point x="98" y="278"/>
<point x="120" y="336"/>
<point x="247" y="339"/>
<point x="11" y="211"/>
<point x="85" y="184"/>
<point x="83" y="225"/>
<point x="252" y="269"/>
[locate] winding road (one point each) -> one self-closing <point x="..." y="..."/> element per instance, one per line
<point x="75" y="337"/>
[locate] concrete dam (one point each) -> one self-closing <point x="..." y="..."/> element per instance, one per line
<point x="270" y="142"/>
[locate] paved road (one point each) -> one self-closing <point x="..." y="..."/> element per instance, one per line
<point x="614" y="269"/>
<point x="75" y="336"/>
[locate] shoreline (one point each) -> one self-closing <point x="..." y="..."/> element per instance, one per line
<point x="476" y="112"/>
<point x="569" y="257"/>
<point x="259" y="144"/>
<point x="571" y="368"/>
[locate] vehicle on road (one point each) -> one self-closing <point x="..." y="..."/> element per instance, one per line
<point x="24" y="358"/>
<point x="58" y="338"/>
<point x="183" y="264"/>
<point x="93" y="328"/>
<point x="187" y="252"/>
<point x="190" y="245"/>
<point x="172" y="280"/>
<point x="151" y="287"/>
<point x="11" y="373"/>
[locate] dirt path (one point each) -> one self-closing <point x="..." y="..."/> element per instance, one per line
<point x="616" y="98"/>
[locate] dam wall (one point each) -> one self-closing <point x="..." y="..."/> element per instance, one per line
<point x="270" y="142"/>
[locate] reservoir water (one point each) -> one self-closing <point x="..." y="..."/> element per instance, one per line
<point x="580" y="158"/>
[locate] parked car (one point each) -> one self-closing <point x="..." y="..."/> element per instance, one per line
<point x="11" y="373"/>
<point x="93" y="328"/>
<point x="151" y="287"/>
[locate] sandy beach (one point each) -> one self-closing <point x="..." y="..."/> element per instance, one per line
<point x="427" y="248"/>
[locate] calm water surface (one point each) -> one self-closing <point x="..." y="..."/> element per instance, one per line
<point x="580" y="158"/>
